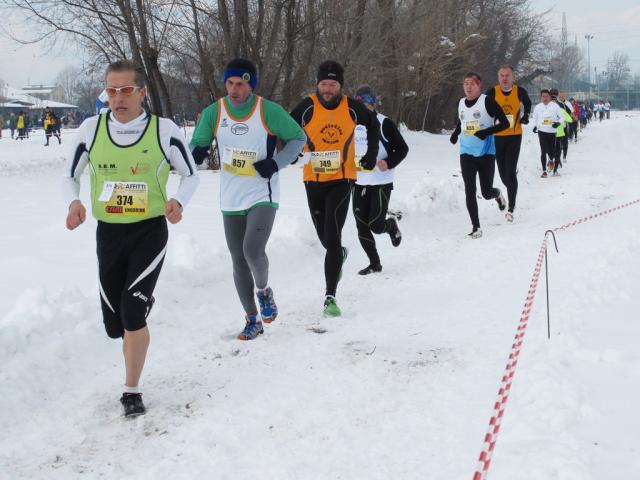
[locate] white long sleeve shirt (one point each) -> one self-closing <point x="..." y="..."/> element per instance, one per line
<point x="171" y="138"/>
<point x="545" y="115"/>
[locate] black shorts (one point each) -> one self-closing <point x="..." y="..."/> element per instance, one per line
<point x="130" y="257"/>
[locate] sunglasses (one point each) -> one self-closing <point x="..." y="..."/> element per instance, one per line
<point x="128" y="90"/>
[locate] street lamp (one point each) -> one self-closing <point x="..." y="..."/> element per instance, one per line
<point x="589" y="38"/>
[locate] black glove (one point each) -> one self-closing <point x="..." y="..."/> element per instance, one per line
<point x="368" y="162"/>
<point x="266" y="168"/>
<point x="453" y="138"/>
<point x="535" y="129"/>
<point x="482" y="134"/>
<point x="555" y="124"/>
<point x="200" y="154"/>
<point x="525" y="119"/>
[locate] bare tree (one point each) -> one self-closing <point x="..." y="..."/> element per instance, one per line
<point x="618" y="70"/>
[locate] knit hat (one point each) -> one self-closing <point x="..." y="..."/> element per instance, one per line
<point x="240" y="67"/>
<point x="365" y="94"/>
<point x="553" y="92"/>
<point x="331" y="70"/>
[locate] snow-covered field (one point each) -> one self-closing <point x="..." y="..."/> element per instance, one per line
<point x="400" y="387"/>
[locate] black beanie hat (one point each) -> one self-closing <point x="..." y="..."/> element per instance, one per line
<point x="243" y="68"/>
<point x="331" y="70"/>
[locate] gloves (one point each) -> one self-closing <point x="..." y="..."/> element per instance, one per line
<point x="200" y="154"/>
<point x="453" y="139"/>
<point x="525" y="119"/>
<point x="482" y="134"/>
<point x="555" y="124"/>
<point x="368" y="162"/>
<point x="535" y="129"/>
<point x="266" y="168"/>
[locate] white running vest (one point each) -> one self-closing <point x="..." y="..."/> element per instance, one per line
<point x="241" y="143"/>
<point x="474" y="119"/>
<point x="375" y="176"/>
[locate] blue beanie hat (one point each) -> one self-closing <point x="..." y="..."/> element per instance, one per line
<point x="240" y="67"/>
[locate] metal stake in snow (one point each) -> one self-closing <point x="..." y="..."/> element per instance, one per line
<point x="499" y="406"/>
<point x="546" y="276"/>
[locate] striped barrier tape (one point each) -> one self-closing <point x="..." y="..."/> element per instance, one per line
<point x="499" y="407"/>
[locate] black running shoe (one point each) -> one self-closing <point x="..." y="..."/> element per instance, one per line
<point x="371" y="269"/>
<point x="394" y="231"/>
<point x="132" y="403"/>
<point x="502" y="204"/>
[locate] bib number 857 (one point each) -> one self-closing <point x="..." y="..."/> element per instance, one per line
<point x="238" y="163"/>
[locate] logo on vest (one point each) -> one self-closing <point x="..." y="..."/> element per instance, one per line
<point x="107" y="168"/>
<point x="140" y="168"/>
<point x="224" y="123"/>
<point x="476" y="114"/>
<point x="239" y="129"/>
<point x="331" y="133"/>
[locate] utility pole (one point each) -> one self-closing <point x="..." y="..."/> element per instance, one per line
<point x="589" y="37"/>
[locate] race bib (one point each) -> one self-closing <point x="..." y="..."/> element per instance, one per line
<point x="547" y="121"/>
<point x="126" y="199"/>
<point x="325" y="162"/>
<point x="471" y="127"/>
<point x="240" y="162"/>
<point x="512" y="121"/>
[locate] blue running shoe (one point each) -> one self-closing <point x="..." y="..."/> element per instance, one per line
<point x="252" y="329"/>
<point x="268" y="307"/>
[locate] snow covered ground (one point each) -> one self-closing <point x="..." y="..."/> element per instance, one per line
<point x="400" y="387"/>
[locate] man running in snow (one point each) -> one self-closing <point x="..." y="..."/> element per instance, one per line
<point x="372" y="190"/>
<point x="513" y="99"/>
<point x="477" y="116"/>
<point x="247" y="128"/>
<point x="329" y="118"/>
<point x="547" y="117"/>
<point x="130" y="153"/>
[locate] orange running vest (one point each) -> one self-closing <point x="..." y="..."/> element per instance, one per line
<point x="510" y="105"/>
<point x="331" y="133"/>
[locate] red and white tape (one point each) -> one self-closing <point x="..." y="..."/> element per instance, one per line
<point x="499" y="407"/>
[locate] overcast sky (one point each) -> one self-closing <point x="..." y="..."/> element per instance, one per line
<point x="615" y="25"/>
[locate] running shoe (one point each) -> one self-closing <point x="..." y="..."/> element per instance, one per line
<point x="371" y="269"/>
<point x="252" y="329"/>
<point x="394" y="231"/>
<point x="132" y="404"/>
<point x="331" y="308"/>
<point x="502" y="204"/>
<point x="509" y="216"/>
<point x="475" y="233"/>
<point x="268" y="307"/>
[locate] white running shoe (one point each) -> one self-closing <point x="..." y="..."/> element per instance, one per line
<point x="476" y="233"/>
<point x="509" y="216"/>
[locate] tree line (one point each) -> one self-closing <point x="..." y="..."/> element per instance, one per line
<point x="412" y="52"/>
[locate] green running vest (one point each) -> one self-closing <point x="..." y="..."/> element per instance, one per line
<point x="128" y="183"/>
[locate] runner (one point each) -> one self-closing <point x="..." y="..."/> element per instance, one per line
<point x="329" y="119"/>
<point x="477" y="115"/>
<point x="562" y="139"/>
<point x="51" y="126"/>
<point x="372" y="190"/>
<point x="129" y="153"/>
<point x="247" y="127"/>
<point x="512" y="101"/>
<point x="547" y="117"/>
